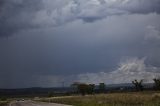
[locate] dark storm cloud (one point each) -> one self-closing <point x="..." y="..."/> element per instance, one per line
<point x="17" y="15"/>
<point x="92" y="10"/>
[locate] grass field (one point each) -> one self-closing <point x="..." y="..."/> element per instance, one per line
<point x="112" y="99"/>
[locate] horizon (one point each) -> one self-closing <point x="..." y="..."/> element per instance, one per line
<point x="107" y="85"/>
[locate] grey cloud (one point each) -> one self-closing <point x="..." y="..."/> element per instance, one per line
<point x="152" y="35"/>
<point x="55" y="50"/>
<point x="37" y="81"/>
<point x="151" y="41"/>
<point x="92" y="10"/>
<point x="19" y="15"/>
<point x="142" y="6"/>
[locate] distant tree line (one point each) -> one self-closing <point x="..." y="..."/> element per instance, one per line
<point x="84" y="88"/>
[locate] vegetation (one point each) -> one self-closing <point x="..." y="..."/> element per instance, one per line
<point x="91" y="88"/>
<point x="112" y="99"/>
<point x="143" y="98"/>
<point x="50" y="94"/>
<point x="157" y="83"/>
<point x="102" y="87"/>
<point x="85" y="88"/>
<point x="138" y="85"/>
<point x="3" y="101"/>
<point x="127" y="98"/>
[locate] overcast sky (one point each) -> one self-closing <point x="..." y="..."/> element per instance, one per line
<point x="46" y="42"/>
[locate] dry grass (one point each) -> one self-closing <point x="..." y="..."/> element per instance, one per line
<point x="114" y="99"/>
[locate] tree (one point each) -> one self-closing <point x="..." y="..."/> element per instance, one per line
<point x="83" y="89"/>
<point x="74" y="87"/>
<point x="91" y="88"/>
<point x="102" y="87"/>
<point x="50" y="94"/>
<point x="156" y="83"/>
<point x="138" y="85"/>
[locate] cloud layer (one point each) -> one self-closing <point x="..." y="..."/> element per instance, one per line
<point x="17" y="15"/>
<point x="62" y="40"/>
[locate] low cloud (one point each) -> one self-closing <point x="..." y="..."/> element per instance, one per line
<point x="128" y="70"/>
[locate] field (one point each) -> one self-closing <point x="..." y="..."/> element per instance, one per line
<point x="111" y="99"/>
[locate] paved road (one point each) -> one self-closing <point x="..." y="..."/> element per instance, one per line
<point x="32" y="103"/>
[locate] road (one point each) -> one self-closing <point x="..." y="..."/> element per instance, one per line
<point x="32" y="103"/>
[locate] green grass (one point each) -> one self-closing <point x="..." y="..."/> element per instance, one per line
<point x="112" y="99"/>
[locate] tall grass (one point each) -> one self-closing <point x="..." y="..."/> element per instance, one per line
<point x="114" y="99"/>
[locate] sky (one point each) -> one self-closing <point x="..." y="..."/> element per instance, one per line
<point x="45" y="43"/>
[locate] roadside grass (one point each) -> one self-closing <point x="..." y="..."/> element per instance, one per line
<point x="4" y="103"/>
<point x="110" y="99"/>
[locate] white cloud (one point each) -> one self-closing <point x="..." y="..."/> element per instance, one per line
<point x="127" y="71"/>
